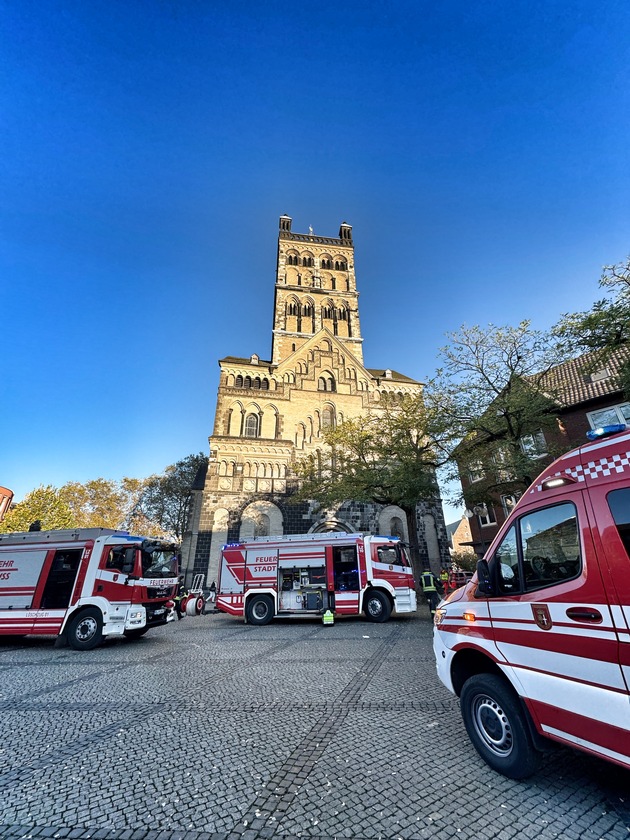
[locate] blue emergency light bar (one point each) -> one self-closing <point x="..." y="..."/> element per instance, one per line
<point x="604" y="431"/>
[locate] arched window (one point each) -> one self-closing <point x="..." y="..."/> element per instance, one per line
<point x="251" y="426"/>
<point x="257" y="382"/>
<point x="248" y="382"/>
<point x="328" y="418"/>
<point x="261" y="528"/>
<point x="239" y="381"/>
<point x="326" y="383"/>
<point x="396" y="528"/>
<point x="265" y="384"/>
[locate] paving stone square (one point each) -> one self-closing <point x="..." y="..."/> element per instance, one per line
<point x="211" y="729"/>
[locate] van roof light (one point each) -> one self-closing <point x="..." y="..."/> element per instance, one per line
<point x="557" y="481"/>
<point x="604" y="431"/>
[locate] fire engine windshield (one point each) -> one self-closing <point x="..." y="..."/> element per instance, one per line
<point x="159" y="560"/>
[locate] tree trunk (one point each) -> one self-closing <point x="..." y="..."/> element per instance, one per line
<point x="414" y="545"/>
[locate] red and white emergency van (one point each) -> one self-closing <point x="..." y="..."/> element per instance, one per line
<point x="85" y="584"/>
<point x="307" y="574"/>
<point x="537" y="644"/>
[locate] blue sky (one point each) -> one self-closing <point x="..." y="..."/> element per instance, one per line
<point x="478" y="149"/>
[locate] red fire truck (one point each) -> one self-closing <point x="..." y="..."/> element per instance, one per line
<point x="537" y="645"/>
<point x="85" y="584"/>
<point x="307" y="574"/>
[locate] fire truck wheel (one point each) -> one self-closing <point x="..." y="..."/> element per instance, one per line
<point x="496" y="725"/>
<point x="376" y="606"/>
<point x="85" y="629"/>
<point x="259" y="609"/>
<point x="199" y="605"/>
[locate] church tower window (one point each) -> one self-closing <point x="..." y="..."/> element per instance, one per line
<point x="251" y="426"/>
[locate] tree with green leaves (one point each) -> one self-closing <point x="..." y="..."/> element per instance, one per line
<point x="44" y="505"/>
<point x="98" y="503"/>
<point x="166" y="499"/>
<point x="605" y="327"/>
<point x="388" y="456"/>
<point x="496" y="390"/>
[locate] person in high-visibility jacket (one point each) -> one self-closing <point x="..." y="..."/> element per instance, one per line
<point x="444" y="581"/>
<point x="429" y="584"/>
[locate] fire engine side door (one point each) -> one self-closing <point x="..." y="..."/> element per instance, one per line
<point x="553" y="624"/>
<point x="342" y="571"/>
<point x="112" y="579"/>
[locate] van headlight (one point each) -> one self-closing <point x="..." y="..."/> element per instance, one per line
<point x="440" y="615"/>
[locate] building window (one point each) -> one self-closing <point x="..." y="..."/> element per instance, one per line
<point x="485" y="515"/>
<point x="508" y="503"/>
<point x="608" y="416"/>
<point x="251" y="426"/>
<point x="328" y="418"/>
<point x="475" y="472"/>
<point x="239" y="381"/>
<point x="326" y="383"/>
<point x="534" y="445"/>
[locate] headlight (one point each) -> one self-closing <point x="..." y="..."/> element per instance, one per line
<point x="439" y="616"/>
<point x="135" y="616"/>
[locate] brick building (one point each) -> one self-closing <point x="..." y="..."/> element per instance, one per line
<point x="587" y="396"/>
<point x="270" y="411"/>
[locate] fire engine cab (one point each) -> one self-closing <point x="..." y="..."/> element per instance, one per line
<point x="85" y="584"/>
<point x="537" y="644"/>
<point x="307" y="574"/>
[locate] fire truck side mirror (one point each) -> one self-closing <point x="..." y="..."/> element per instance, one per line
<point x="484" y="582"/>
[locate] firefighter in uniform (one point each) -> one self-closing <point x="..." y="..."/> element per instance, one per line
<point x="429" y="585"/>
<point x="444" y="581"/>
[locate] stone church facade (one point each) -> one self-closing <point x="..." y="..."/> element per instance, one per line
<point x="270" y="412"/>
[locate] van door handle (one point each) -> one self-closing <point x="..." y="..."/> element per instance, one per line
<point x="584" y="614"/>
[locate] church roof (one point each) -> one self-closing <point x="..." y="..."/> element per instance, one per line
<point x="237" y="360"/>
<point x="379" y="373"/>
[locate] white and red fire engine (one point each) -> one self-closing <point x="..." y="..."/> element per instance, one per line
<point x="306" y="574"/>
<point x="85" y="584"/>
<point x="537" y="645"/>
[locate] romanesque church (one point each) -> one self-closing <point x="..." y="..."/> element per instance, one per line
<point x="270" y="411"/>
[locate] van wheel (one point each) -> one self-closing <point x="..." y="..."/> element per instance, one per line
<point x="497" y="727"/>
<point x="376" y="606"/>
<point x="85" y="630"/>
<point x="259" y="610"/>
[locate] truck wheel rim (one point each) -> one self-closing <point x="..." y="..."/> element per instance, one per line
<point x="260" y="610"/>
<point x="375" y="607"/>
<point x="86" y="629"/>
<point x="492" y="725"/>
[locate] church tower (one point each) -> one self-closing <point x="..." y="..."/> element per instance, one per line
<point x="315" y="288"/>
<point x="270" y="412"/>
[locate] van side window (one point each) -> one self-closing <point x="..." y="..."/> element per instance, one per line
<point x="550" y="546"/>
<point x="542" y="549"/>
<point x="619" y="503"/>
<point x="506" y="557"/>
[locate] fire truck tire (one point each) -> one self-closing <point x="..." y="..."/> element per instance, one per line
<point x="85" y="629"/>
<point x="376" y="606"/>
<point x="259" y="609"/>
<point x="496" y="725"/>
<point x="199" y="605"/>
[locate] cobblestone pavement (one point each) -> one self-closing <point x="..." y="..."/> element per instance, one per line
<point x="210" y="729"/>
